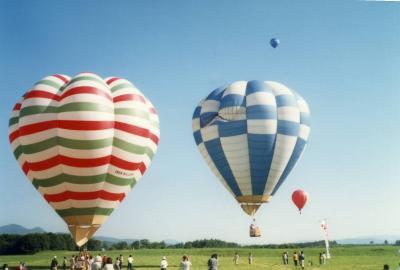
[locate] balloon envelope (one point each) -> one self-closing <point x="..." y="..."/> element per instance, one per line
<point x="299" y="198"/>
<point x="274" y="42"/>
<point x="251" y="134"/>
<point x="84" y="143"/>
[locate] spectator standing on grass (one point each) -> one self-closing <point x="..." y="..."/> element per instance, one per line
<point x="116" y="264"/>
<point x="302" y="259"/>
<point x="185" y="263"/>
<point x="285" y="258"/>
<point x="72" y="263"/>
<point x="164" y="263"/>
<point x="236" y="258"/>
<point x="53" y="264"/>
<point x="213" y="262"/>
<point x="98" y="261"/>
<point x="130" y="263"/>
<point x="108" y="265"/>
<point x="5" y="267"/>
<point x="64" y="266"/>
<point x="250" y="258"/>
<point x="121" y="260"/>
<point x="295" y="258"/>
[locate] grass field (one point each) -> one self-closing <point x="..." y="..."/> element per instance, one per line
<point x="343" y="258"/>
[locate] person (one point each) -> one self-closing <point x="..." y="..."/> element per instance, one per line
<point x="130" y="263"/>
<point x="5" y="267"/>
<point x="185" y="263"/>
<point x="64" y="266"/>
<point x="98" y="261"/>
<point x="301" y="259"/>
<point x="54" y="263"/>
<point x="385" y="267"/>
<point x="164" y="263"/>
<point x="72" y="263"/>
<point x="250" y="258"/>
<point x="236" y="258"/>
<point x="116" y="264"/>
<point x="213" y="262"/>
<point x="295" y="258"/>
<point x="108" y="265"/>
<point x="321" y="258"/>
<point x="121" y="260"/>
<point x="285" y="258"/>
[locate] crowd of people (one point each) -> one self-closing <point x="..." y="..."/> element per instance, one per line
<point x="85" y="261"/>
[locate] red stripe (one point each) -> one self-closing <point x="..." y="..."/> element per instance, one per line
<point x="153" y="110"/>
<point x="85" y="163"/>
<point x="126" y="165"/>
<point x="17" y="107"/>
<point x="129" y="97"/>
<point x="25" y="168"/>
<point x="65" y="80"/>
<point x="13" y="136"/>
<point x="85" y="90"/>
<point x="41" y="94"/>
<point x="72" y="195"/>
<point x="132" y="129"/>
<point x="37" y="127"/>
<point x="154" y="138"/>
<point x="110" y="81"/>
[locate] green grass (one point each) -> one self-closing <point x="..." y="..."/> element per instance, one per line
<point x="343" y="258"/>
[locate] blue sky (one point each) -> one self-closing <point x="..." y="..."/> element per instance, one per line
<point x="342" y="56"/>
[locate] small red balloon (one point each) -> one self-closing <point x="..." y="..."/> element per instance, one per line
<point x="299" y="198"/>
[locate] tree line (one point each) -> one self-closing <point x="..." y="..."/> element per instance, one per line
<point x="32" y="243"/>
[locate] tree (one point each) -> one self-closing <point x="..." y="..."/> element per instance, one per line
<point x="93" y="244"/>
<point x="386" y="242"/>
<point x="121" y="245"/>
<point x="371" y="242"/>
<point x="397" y="243"/>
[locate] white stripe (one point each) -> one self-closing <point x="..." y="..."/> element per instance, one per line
<point x="84" y="204"/>
<point x="236" y="152"/>
<point x="211" y="164"/>
<point x="261" y="126"/>
<point x="304" y="132"/>
<point x="209" y="106"/>
<point x="209" y="133"/>
<point x="88" y="154"/>
<point x="233" y="113"/>
<point x="87" y="134"/>
<point x="86" y="116"/>
<point x="93" y="98"/>
<point x="289" y="113"/>
<point x="283" y="151"/>
<point x="36" y="118"/>
<point x="196" y="124"/>
<point x="84" y="188"/>
<point x="236" y="88"/>
<point x="260" y="98"/>
<point x="39" y="102"/>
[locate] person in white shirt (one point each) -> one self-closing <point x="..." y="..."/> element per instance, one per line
<point x="130" y="262"/>
<point x="164" y="263"/>
<point x="185" y="264"/>
<point x="97" y="261"/>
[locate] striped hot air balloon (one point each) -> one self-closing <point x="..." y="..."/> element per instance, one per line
<point x="251" y="134"/>
<point x="84" y="143"/>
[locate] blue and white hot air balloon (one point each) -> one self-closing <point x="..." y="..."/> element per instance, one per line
<point x="251" y="134"/>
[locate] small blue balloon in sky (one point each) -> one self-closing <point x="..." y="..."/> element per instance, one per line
<point x="274" y="42"/>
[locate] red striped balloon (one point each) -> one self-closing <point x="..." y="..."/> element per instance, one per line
<point x="84" y="142"/>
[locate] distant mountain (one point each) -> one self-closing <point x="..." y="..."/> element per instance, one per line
<point x="18" y="229"/>
<point x="113" y="239"/>
<point x="380" y="239"/>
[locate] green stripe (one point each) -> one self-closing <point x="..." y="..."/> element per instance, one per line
<point x="18" y="152"/>
<point x="69" y="107"/>
<point x="88" y="78"/>
<point x="36" y="110"/>
<point x="85" y="211"/>
<point x="121" y="86"/>
<point x="49" y="83"/>
<point x="85" y="106"/>
<point x="133" y="148"/>
<point x="13" y="121"/>
<point x="68" y="143"/>
<point x="133" y="112"/>
<point x="83" y="180"/>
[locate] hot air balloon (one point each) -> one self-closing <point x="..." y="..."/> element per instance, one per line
<point x="251" y="134"/>
<point x="84" y="143"/>
<point x="299" y="198"/>
<point x="274" y="42"/>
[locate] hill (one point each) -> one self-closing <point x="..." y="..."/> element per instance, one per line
<point x="18" y="229"/>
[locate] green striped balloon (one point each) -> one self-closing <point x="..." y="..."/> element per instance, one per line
<point x="84" y="142"/>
